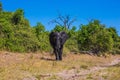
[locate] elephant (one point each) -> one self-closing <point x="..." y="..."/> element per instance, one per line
<point x="57" y="40"/>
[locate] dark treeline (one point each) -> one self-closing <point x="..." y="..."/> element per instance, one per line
<point x="17" y="35"/>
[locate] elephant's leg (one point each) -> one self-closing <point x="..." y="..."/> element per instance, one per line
<point x="56" y="54"/>
<point x="60" y="53"/>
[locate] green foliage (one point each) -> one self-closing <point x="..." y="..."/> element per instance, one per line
<point x="26" y="39"/>
<point x="95" y="37"/>
<point x="17" y="16"/>
<point x="0" y="7"/>
<point x="72" y="44"/>
<point x="42" y="36"/>
<point x="59" y="28"/>
<point x="44" y="41"/>
<point x="39" y="29"/>
<point x="17" y="35"/>
<point x="116" y="49"/>
<point x="72" y="32"/>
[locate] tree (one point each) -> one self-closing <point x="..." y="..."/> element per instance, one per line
<point x="39" y="28"/>
<point x="72" y="32"/>
<point x="113" y="32"/>
<point x="17" y="16"/>
<point x="116" y="38"/>
<point x="0" y="7"/>
<point x="64" y="21"/>
<point x="95" y="37"/>
<point x="58" y="28"/>
<point x="72" y="44"/>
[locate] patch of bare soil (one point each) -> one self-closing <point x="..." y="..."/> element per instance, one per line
<point x="74" y="75"/>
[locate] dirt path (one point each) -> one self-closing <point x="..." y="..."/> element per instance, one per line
<point x="74" y="75"/>
<point x="28" y="67"/>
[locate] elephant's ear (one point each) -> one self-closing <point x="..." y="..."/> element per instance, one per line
<point x="64" y="37"/>
<point x="51" y="38"/>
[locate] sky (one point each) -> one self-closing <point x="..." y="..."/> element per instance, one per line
<point x="107" y="11"/>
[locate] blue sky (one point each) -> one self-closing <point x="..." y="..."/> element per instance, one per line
<point x="107" y="11"/>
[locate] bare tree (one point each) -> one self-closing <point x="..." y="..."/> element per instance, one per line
<point x="65" y="21"/>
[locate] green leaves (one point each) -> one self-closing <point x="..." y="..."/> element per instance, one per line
<point x="17" y="16"/>
<point x="96" y="37"/>
<point x="59" y="28"/>
<point x="39" y="28"/>
<point x="16" y="34"/>
<point x="0" y="7"/>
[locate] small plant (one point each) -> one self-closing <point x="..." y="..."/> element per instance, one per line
<point x="89" y="77"/>
<point x="105" y="76"/>
<point x="84" y="66"/>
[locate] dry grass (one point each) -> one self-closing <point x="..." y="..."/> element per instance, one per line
<point x="27" y="66"/>
<point x="110" y="73"/>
